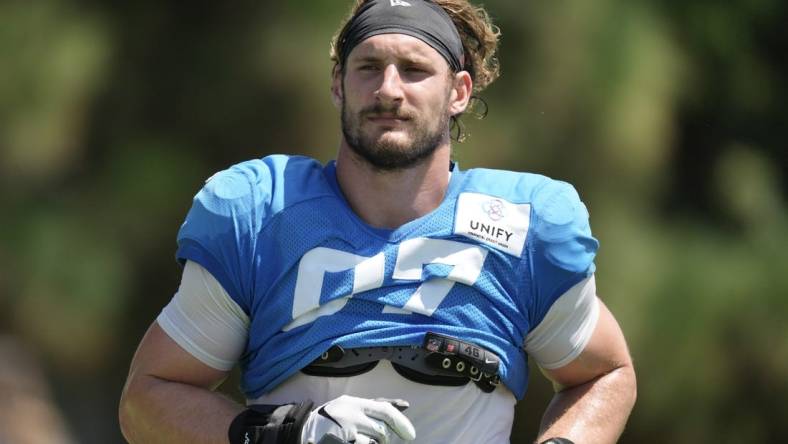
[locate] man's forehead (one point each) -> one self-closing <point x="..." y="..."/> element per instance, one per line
<point x="396" y="45"/>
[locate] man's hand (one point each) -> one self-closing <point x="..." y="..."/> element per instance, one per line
<point x="358" y="420"/>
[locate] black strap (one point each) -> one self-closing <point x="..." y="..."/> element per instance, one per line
<point x="343" y="372"/>
<point x="441" y="360"/>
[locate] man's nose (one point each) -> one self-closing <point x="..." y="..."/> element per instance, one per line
<point x="390" y="89"/>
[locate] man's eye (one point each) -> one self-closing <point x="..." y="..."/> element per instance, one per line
<point x="367" y="68"/>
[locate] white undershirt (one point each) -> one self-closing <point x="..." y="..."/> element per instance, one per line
<point x="206" y="322"/>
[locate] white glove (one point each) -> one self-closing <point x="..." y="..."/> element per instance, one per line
<point x="358" y="420"/>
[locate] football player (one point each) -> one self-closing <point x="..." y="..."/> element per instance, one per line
<point x="388" y="296"/>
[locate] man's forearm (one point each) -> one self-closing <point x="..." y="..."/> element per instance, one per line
<point x="153" y="410"/>
<point x="594" y="412"/>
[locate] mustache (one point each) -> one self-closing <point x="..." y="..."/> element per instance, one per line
<point x="392" y="111"/>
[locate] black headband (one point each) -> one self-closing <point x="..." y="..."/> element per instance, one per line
<point x="422" y="19"/>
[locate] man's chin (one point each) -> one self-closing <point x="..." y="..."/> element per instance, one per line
<point x="394" y="140"/>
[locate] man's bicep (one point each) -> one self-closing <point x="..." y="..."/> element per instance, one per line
<point x="198" y="337"/>
<point x="605" y="351"/>
<point x="159" y="356"/>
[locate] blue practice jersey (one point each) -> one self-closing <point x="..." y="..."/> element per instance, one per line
<point x="484" y="266"/>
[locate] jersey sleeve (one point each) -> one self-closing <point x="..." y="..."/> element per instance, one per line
<point x="566" y="328"/>
<point x="204" y="320"/>
<point x="220" y="230"/>
<point x="562" y="249"/>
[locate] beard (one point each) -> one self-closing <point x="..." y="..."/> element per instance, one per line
<point x="386" y="153"/>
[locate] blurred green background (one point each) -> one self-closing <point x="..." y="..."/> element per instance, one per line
<point x="668" y="116"/>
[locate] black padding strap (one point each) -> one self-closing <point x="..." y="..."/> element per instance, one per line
<point x="270" y="424"/>
<point x="339" y="372"/>
<point x="442" y="360"/>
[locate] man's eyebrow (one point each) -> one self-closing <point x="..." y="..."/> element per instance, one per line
<point x="367" y="58"/>
<point x="411" y="59"/>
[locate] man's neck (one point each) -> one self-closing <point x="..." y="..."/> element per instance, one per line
<point x="390" y="199"/>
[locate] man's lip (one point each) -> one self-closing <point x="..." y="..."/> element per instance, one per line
<point x="384" y="118"/>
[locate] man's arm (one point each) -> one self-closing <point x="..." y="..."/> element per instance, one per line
<point x="596" y="391"/>
<point x="169" y="397"/>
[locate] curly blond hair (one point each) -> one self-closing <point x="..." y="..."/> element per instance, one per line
<point x="479" y="40"/>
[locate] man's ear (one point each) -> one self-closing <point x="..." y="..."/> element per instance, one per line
<point x="461" y="92"/>
<point x="336" y="86"/>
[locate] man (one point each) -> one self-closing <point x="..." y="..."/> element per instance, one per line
<point x="387" y="296"/>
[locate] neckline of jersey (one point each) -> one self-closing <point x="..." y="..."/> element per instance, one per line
<point x="395" y="235"/>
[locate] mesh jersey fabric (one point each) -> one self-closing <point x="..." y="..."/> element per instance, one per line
<point x="281" y="239"/>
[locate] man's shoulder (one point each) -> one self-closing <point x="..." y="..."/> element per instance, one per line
<point x="271" y="170"/>
<point x="519" y="187"/>
<point x="555" y="208"/>
<point x="275" y="182"/>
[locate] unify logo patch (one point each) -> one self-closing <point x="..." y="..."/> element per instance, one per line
<point x="399" y="3"/>
<point x="493" y="221"/>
